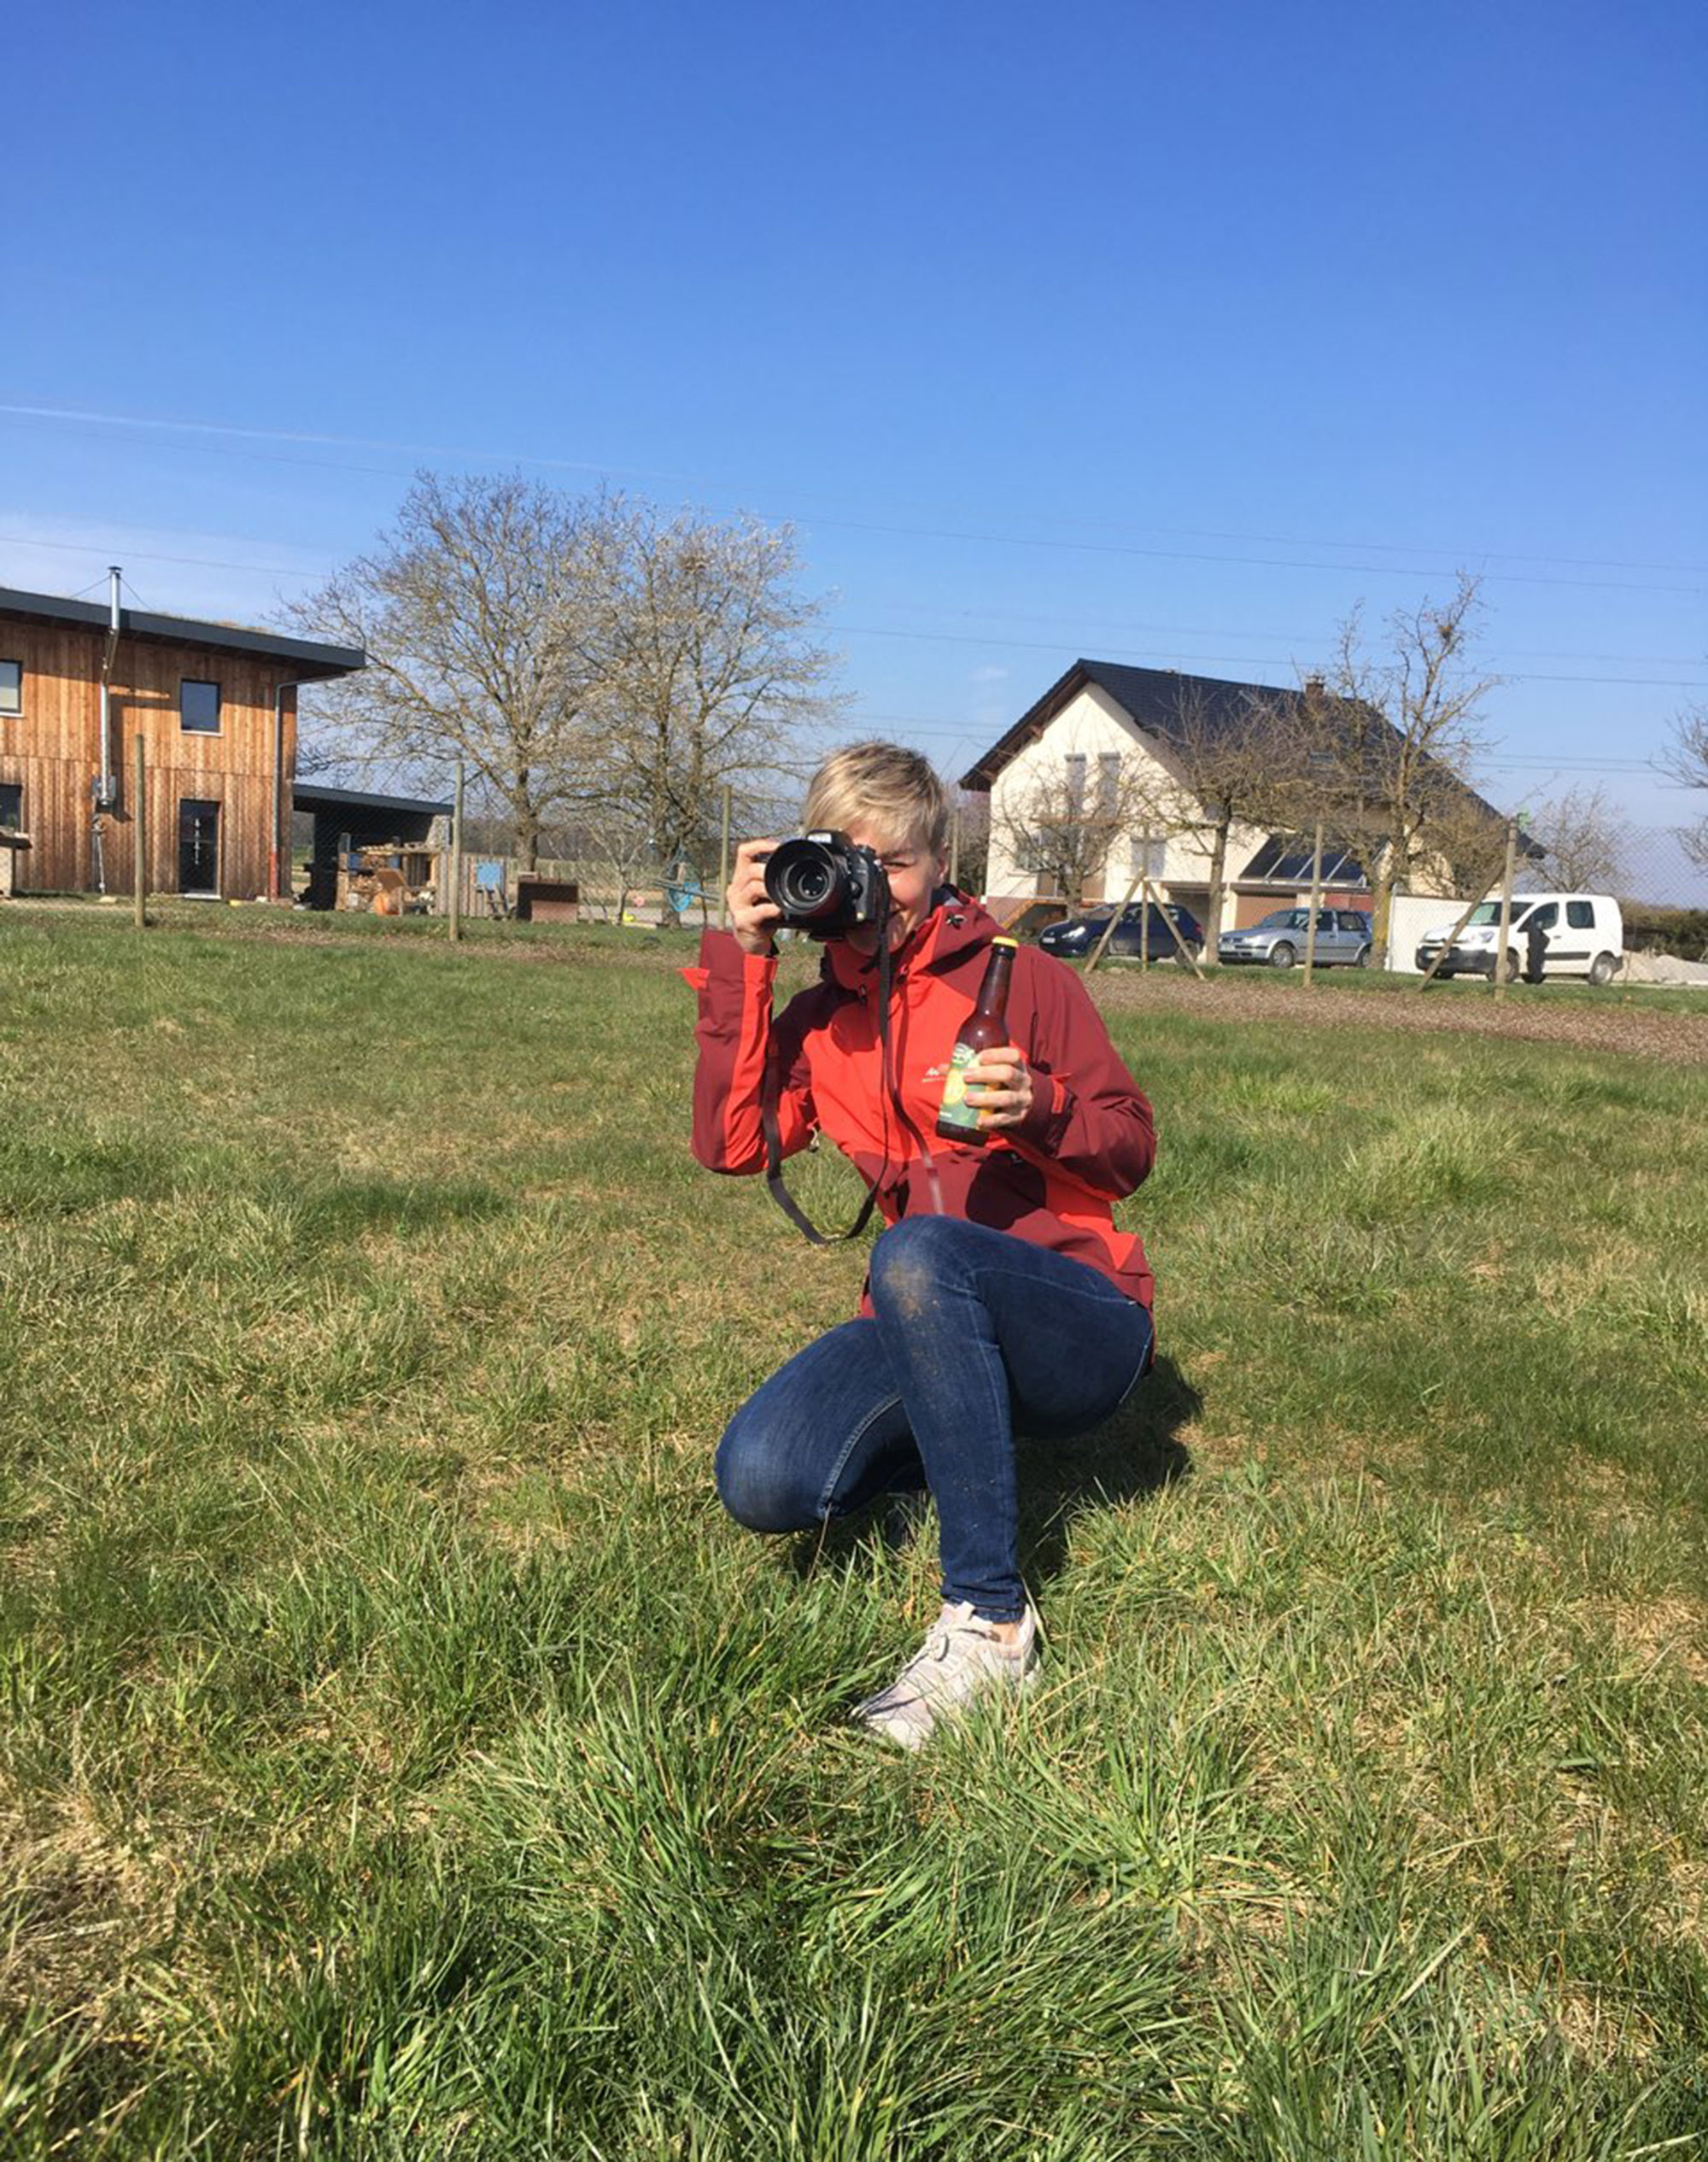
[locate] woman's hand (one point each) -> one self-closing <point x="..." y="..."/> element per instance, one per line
<point x="999" y="1086"/>
<point x="752" y="913"/>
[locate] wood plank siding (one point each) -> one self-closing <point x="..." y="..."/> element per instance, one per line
<point x="52" y="749"/>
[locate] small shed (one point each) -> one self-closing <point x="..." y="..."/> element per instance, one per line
<point x="414" y="830"/>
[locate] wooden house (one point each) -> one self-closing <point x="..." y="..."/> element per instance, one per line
<point x="214" y="707"/>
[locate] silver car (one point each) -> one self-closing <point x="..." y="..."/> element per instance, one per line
<point x="1343" y="939"/>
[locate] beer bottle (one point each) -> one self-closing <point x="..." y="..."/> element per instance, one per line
<point x="982" y="1030"/>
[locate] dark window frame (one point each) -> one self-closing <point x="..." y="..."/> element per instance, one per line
<point x="201" y="811"/>
<point x="188" y="727"/>
<point x="12" y="788"/>
<point x="11" y="713"/>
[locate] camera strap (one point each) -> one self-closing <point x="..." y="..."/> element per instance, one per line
<point x="773" y="1145"/>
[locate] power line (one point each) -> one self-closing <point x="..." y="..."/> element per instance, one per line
<point x="868" y="630"/>
<point x="149" y="556"/>
<point x="1231" y="660"/>
<point x="1219" y="631"/>
<point x="986" y="733"/>
<point x="1268" y="562"/>
<point x="60" y="416"/>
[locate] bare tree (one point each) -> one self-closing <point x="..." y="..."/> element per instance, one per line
<point x="1235" y="760"/>
<point x="1688" y="762"/>
<point x="482" y="645"/>
<point x="1063" y="820"/>
<point x="581" y="656"/>
<point x="1405" y="727"/>
<point x="1586" y="838"/>
<point x="611" y="851"/>
<point x="972" y="814"/>
<point x="710" y="675"/>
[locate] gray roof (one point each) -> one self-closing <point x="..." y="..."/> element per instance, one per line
<point x="302" y="660"/>
<point x="1151" y="697"/>
<point x="1155" y="699"/>
<point x="309" y="796"/>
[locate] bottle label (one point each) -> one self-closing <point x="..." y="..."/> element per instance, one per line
<point x="957" y="1111"/>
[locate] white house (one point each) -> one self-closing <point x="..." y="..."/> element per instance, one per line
<point x="1104" y="728"/>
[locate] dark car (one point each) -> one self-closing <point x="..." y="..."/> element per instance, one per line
<point x="1074" y="939"/>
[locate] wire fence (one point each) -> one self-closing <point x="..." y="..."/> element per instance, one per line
<point x="608" y="873"/>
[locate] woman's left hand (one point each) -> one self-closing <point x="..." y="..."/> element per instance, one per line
<point x="999" y="1086"/>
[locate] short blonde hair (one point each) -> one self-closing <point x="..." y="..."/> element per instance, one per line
<point x="892" y="791"/>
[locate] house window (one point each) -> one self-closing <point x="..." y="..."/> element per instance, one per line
<point x="198" y="707"/>
<point x="11" y="686"/>
<point x="1108" y="784"/>
<point x="1075" y="764"/>
<point x="1149" y="852"/>
<point x="11" y="806"/>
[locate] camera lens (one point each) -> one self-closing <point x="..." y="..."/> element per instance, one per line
<point x="809" y="885"/>
<point x="806" y="878"/>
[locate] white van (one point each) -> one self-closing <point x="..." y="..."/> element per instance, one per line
<point x="1580" y="935"/>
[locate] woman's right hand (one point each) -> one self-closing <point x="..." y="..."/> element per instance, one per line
<point x="752" y="913"/>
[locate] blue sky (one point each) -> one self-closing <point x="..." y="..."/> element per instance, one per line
<point x="1157" y="334"/>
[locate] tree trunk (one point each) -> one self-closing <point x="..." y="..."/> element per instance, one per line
<point x="525" y="823"/>
<point x="1213" y="911"/>
<point x="1382" y="900"/>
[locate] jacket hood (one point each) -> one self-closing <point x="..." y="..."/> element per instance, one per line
<point x="955" y="926"/>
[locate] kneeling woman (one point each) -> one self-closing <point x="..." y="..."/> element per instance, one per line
<point x="1000" y="1292"/>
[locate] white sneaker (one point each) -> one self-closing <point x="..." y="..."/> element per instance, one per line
<point x="962" y="1658"/>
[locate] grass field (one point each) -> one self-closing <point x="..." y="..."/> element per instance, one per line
<point x="404" y="1757"/>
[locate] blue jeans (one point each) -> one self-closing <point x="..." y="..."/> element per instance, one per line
<point x="973" y="1332"/>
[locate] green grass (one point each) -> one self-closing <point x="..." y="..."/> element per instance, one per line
<point x="403" y="1756"/>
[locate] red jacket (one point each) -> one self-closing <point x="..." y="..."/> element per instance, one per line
<point x="1087" y="1140"/>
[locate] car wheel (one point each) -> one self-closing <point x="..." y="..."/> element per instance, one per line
<point x="1361" y="959"/>
<point x="1602" y="968"/>
<point x="1515" y="967"/>
<point x="1281" y="955"/>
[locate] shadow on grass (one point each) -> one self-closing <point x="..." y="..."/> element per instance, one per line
<point x="1135" y="1452"/>
<point x="333" y="1214"/>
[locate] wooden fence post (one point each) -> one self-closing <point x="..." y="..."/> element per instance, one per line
<point x="1096" y="953"/>
<point x="723" y="868"/>
<point x="1316" y="903"/>
<point x="1499" y="970"/>
<point x="139" y="828"/>
<point x="456" y="923"/>
<point x="1173" y="931"/>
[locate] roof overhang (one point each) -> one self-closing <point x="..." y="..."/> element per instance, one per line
<point x="298" y="660"/>
<point x="309" y="796"/>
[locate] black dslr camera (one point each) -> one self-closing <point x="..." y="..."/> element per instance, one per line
<point x="825" y="885"/>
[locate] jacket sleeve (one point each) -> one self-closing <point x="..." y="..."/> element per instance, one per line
<point x="737" y="1039"/>
<point x="1089" y="1118"/>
